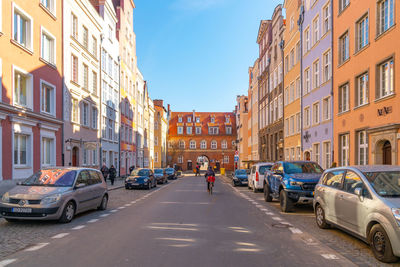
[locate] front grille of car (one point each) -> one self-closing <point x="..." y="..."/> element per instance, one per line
<point x="31" y="202"/>
<point x="308" y="186"/>
<point x="16" y="214"/>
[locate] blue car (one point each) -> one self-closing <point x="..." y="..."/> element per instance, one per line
<point x="171" y="173"/>
<point x="239" y="177"/>
<point x="141" y="178"/>
<point x="291" y="182"/>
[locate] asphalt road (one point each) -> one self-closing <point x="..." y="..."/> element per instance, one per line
<point x="181" y="225"/>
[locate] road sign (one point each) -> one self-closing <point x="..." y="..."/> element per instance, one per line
<point x="236" y="158"/>
<point x="236" y="153"/>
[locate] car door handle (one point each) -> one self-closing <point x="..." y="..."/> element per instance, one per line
<point x="341" y="197"/>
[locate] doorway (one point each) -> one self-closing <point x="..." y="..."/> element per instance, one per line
<point x="204" y="162"/>
<point x="307" y="156"/>
<point x="189" y="165"/>
<point x="75" y="156"/>
<point x="387" y="153"/>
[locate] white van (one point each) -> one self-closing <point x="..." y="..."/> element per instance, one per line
<point x="256" y="176"/>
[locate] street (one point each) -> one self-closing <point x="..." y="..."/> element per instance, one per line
<point x="180" y="224"/>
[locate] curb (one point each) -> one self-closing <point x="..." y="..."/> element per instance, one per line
<point x="117" y="187"/>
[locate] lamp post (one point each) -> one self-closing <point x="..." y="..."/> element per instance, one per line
<point x="223" y="160"/>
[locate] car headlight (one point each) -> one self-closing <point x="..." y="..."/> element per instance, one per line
<point x="396" y="214"/>
<point x="51" y="199"/>
<point x="146" y="180"/>
<point x="6" y="198"/>
<point x="295" y="183"/>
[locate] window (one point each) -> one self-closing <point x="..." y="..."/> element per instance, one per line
<point x="21" y="149"/>
<point x="298" y="52"/>
<point x="110" y="66"/>
<point x="352" y="181"/>
<point x="291" y="125"/>
<point x="94" y="157"/>
<point x="344" y="48"/>
<point x="180" y="130"/>
<point x="48" y="47"/>
<point x="326" y="17"/>
<point x="362" y="89"/>
<point x="385" y="15"/>
<point x="315" y="30"/>
<point x="49" y="4"/>
<point x="94" y="83"/>
<point x="85" y="114"/>
<point x="198" y="130"/>
<point x="179" y="119"/>
<point x="203" y="144"/>
<point x="224" y="144"/>
<point x="362" y="142"/>
<point x="226" y="159"/>
<point x="286" y="64"/>
<point x="104" y="60"/>
<point x="316" y="153"/>
<point x="362" y="28"/>
<point x="343" y="4"/>
<point x="94" y="46"/>
<point x="307" y="82"/>
<point x="181" y="144"/>
<point x="75" y="110"/>
<point x="85" y="156"/>
<point x="326" y="108"/>
<point x="307" y="44"/>
<point x="316" y="74"/>
<point x="280" y="106"/>
<point x="94" y="118"/>
<point x="212" y="120"/>
<point x="213" y="144"/>
<point x="180" y="159"/>
<point x="198" y="120"/>
<point x="189" y="119"/>
<point x="228" y="129"/>
<point x="213" y="130"/>
<point x="291" y="23"/>
<point x="298" y="153"/>
<point x="192" y="144"/>
<point x="22" y="88"/>
<point x="291" y="58"/>
<point x="344" y="150"/>
<point x="110" y="33"/>
<point x="386" y="77"/>
<point x="156" y="157"/>
<point x="22" y="28"/>
<point x="297" y="95"/>
<point x="85" y="77"/>
<point x="326" y="155"/>
<point x="333" y="179"/>
<point x="188" y="130"/>
<point x="326" y="66"/>
<point x="286" y="127"/>
<point x="344" y="98"/>
<point x="47" y="98"/>
<point x="307" y="117"/>
<point x="85" y="37"/>
<point x="298" y="123"/>
<point x="110" y="129"/>
<point x="74" y="70"/>
<point x="47" y="151"/>
<point x="286" y="98"/>
<point x="74" y="25"/>
<point x="315" y="113"/>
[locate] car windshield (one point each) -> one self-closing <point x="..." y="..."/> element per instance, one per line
<point x="385" y="184"/>
<point x="142" y="172"/>
<point x="158" y="171"/>
<point x="264" y="168"/>
<point x="53" y="177"/>
<point x="302" y="167"/>
<point x="240" y="172"/>
<point x="169" y="170"/>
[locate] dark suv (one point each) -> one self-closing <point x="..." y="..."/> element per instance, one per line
<point x="291" y="182"/>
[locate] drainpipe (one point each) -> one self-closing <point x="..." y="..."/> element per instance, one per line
<point x="332" y="51"/>
<point x="119" y="116"/>
<point x="101" y="101"/>
<point x="63" y="88"/>
<point x="300" y="24"/>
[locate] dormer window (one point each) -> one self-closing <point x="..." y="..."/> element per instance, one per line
<point x="212" y="119"/>
<point x="189" y="119"/>
<point x="179" y="119"/>
<point x="198" y="120"/>
<point x="227" y="119"/>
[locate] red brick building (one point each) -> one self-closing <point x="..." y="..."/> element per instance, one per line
<point x="207" y="138"/>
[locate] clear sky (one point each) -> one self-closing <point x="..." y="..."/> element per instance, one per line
<point x="195" y="54"/>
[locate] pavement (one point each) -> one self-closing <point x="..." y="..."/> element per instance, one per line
<point x="178" y="224"/>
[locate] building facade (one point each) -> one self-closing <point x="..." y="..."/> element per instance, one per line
<point x="31" y="98"/>
<point x="317" y="73"/>
<point x="204" y="138"/>
<point x="292" y="81"/>
<point x="242" y="120"/>
<point x="140" y="119"/>
<point x="366" y="103"/>
<point x="82" y="28"/>
<point x="253" y="113"/>
<point x="160" y="134"/>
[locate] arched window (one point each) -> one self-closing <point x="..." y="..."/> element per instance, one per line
<point x="181" y="144"/>
<point x="224" y="144"/>
<point x="213" y="144"/>
<point x="203" y="144"/>
<point x="192" y="144"/>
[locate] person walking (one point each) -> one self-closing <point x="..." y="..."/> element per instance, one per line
<point x="210" y="177"/>
<point x="113" y="174"/>
<point x="104" y="170"/>
<point x="197" y="170"/>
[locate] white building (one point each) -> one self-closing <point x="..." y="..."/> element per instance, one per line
<point x="151" y="132"/>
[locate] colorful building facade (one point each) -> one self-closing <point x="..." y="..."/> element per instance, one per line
<point x="160" y="134"/>
<point x="242" y="113"/>
<point x="253" y="113"/>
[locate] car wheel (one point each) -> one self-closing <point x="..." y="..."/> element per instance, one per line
<point x="10" y="220"/>
<point x="126" y="187"/>
<point x="320" y="217"/>
<point x="233" y="183"/>
<point x="68" y="213"/>
<point x="285" y="201"/>
<point x="254" y="189"/>
<point x="155" y="184"/>
<point x="267" y="193"/>
<point x="103" y="204"/>
<point x="149" y="186"/>
<point x="248" y="185"/>
<point x="166" y="181"/>
<point x="380" y="244"/>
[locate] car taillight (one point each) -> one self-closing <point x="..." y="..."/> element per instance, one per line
<point x="257" y="176"/>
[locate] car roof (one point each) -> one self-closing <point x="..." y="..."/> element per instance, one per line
<point x="369" y="168"/>
<point x="263" y="164"/>
<point x="297" y="161"/>
<point x="69" y="168"/>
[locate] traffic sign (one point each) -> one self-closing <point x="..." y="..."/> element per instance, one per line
<point x="236" y="158"/>
<point x="236" y="153"/>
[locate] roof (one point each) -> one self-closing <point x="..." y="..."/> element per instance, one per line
<point x="372" y="168"/>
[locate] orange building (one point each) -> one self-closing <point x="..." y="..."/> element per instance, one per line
<point x="366" y="102"/>
<point x="31" y="87"/>
<point x="206" y="138"/>
<point x="242" y="119"/>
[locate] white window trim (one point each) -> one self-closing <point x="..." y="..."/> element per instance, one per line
<point x="316" y="83"/>
<point x="53" y="106"/>
<point x="53" y="11"/>
<point x="83" y="114"/>
<point x="319" y="113"/>
<point x="329" y="108"/>
<point x="314" y="155"/>
<point x="314" y="41"/>
<point x="214" y="143"/>
<point x="44" y="30"/>
<point x="25" y="129"/>
<point x="307" y="121"/>
<point x="327" y="5"/>
<point x="325" y="153"/>
<point x="49" y="135"/>
<point x="29" y="88"/>
<point x="16" y="7"/>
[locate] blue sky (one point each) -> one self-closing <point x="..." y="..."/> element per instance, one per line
<point x="195" y="54"/>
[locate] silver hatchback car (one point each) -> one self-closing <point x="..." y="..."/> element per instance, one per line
<point x="364" y="201"/>
<point x="55" y="194"/>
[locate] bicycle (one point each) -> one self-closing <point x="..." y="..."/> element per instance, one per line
<point x="210" y="188"/>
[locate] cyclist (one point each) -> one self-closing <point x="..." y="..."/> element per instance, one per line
<point x="210" y="177"/>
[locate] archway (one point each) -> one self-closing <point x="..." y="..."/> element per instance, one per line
<point x="75" y="156"/>
<point x="387" y="153"/>
<point x="307" y="155"/>
<point x="204" y="162"/>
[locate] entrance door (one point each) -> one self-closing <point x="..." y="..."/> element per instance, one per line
<point x="189" y="166"/>
<point x="387" y="153"/>
<point x="218" y="165"/>
<point x="307" y="156"/>
<point x="75" y="156"/>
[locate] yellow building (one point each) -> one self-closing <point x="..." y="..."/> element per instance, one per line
<point x="160" y="134"/>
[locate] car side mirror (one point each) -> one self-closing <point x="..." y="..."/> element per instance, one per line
<point x="19" y="183"/>
<point x="278" y="172"/>
<point x="80" y="186"/>
<point x="359" y="192"/>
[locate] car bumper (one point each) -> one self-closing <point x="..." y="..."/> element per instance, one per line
<point x="136" y="185"/>
<point x="51" y="213"/>
<point x="300" y="196"/>
<point x="171" y="177"/>
<point x="240" y="182"/>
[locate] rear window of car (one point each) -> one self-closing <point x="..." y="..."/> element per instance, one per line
<point x="169" y="170"/>
<point x="264" y="168"/>
<point x="240" y="172"/>
<point x="302" y="167"/>
<point x="158" y="171"/>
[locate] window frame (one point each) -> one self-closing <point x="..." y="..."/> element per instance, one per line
<point x="53" y="50"/>
<point x="391" y="81"/>
<point x="29" y="87"/>
<point x="29" y="27"/>
<point x="53" y="104"/>
<point x="28" y="150"/>
<point x="341" y="103"/>
<point x="214" y="145"/>
<point x="358" y="27"/>
<point x="316" y="117"/>
<point x="344" y="150"/>
<point x="344" y="42"/>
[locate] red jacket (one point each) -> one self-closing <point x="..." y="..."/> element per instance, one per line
<point x="211" y="179"/>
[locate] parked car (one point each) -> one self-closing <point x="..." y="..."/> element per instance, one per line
<point x="239" y="177"/>
<point x="364" y="201"/>
<point x="141" y="178"/>
<point x="56" y="193"/>
<point x="292" y="182"/>
<point x="161" y="176"/>
<point x="255" y="178"/>
<point x="171" y="173"/>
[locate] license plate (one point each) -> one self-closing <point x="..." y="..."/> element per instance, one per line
<point x="22" y="210"/>
<point x="244" y="182"/>
<point x="135" y="184"/>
